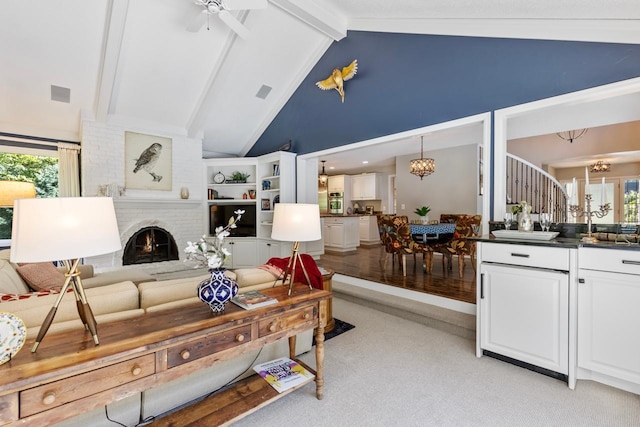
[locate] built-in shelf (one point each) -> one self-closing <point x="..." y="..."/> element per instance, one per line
<point x="135" y="202"/>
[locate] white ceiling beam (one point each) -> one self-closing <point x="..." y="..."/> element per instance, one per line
<point x="203" y="110"/>
<point x="112" y="45"/>
<point x="587" y="30"/>
<point x="316" y="16"/>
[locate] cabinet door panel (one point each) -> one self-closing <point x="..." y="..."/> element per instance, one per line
<point x="525" y="315"/>
<point x="609" y="321"/>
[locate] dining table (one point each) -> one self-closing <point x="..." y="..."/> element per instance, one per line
<point x="432" y="231"/>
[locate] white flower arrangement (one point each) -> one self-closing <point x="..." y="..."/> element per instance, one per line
<point x="210" y="252"/>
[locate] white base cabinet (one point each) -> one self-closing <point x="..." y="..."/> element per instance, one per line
<point x="609" y="317"/>
<point x="525" y="315"/>
<point x="342" y="234"/>
<point x="369" y="233"/>
<point x="243" y="252"/>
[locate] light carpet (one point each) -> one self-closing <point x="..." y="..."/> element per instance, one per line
<point x="390" y="371"/>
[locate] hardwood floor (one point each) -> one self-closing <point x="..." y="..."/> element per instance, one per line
<point x="366" y="263"/>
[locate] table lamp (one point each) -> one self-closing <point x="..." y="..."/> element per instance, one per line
<point x="66" y="228"/>
<point x="296" y="222"/>
<point x="13" y="190"/>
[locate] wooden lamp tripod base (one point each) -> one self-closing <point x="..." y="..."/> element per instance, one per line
<point x="291" y="267"/>
<point x="86" y="315"/>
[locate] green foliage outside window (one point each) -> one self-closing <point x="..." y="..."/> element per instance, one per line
<point x="41" y="170"/>
<point x="631" y="203"/>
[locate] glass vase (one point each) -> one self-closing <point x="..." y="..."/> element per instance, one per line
<point x="217" y="290"/>
<point x="525" y="222"/>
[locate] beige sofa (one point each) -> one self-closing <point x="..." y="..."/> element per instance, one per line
<point x="133" y="297"/>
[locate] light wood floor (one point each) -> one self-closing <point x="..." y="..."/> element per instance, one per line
<point x="366" y="263"/>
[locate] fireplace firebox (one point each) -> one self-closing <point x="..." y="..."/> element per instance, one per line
<point x="150" y="244"/>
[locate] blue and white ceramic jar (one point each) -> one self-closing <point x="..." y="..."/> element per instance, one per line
<point x="217" y="290"/>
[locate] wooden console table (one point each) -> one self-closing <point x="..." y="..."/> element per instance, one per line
<point x="69" y="375"/>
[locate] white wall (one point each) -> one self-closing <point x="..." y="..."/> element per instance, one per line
<point x="102" y="159"/>
<point x="452" y="188"/>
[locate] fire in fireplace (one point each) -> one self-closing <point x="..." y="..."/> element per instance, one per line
<point x="150" y="244"/>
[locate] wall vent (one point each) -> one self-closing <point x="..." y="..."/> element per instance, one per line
<point x="60" y="94"/>
<point x="263" y="92"/>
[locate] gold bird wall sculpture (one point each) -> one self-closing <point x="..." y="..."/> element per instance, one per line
<point x="337" y="78"/>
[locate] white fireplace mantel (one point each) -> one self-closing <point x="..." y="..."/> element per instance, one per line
<point x="134" y="202"/>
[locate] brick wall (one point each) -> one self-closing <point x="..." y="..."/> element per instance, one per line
<point x="102" y="161"/>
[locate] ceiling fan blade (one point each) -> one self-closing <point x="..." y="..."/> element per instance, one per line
<point x="234" y="24"/>
<point x="197" y="21"/>
<point x="245" y="4"/>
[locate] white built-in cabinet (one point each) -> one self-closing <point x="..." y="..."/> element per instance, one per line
<point x="523" y="304"/>
<point x="609" y="317"/>
<point x="366" y="186"/>
<point x="369" y="233"/>
<point x="341" y="234"/>
<point x="271" y="180"/>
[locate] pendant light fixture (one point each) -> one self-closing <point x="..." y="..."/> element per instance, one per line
<point x="572" y="135"/>
<point x="422" y="167"/>
<point x="323" y="177"/>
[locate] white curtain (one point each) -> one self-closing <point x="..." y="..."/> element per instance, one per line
<point x="68" y="170"/>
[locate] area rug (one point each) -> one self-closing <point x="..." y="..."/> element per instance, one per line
<point x="340" y="328"/>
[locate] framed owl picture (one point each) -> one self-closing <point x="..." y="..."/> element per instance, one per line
<point x="147" y="161"/>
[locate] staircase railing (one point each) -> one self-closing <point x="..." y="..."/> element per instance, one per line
<point x="526" y="181"/>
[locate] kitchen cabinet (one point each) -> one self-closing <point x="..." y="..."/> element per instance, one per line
<point x="523" y="304"/>
<point x="369" y="233"/>
<point x="341" y="234"/>
<point x="365" y="186"/>
<point x="336" y="184"/>
<point x="243" y="252"/>
<point x="609" y="317"/>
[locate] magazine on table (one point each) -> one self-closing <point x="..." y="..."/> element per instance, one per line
<point x="253" y="299"/>
<point x="283" y="373"/>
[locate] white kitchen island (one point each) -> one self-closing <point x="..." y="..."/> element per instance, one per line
<point x="341" y="232"/>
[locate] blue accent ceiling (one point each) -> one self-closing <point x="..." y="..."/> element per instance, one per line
<point x="405" y="81"/>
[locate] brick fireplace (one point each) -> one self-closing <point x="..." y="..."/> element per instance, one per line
<point x="102" y="159"/>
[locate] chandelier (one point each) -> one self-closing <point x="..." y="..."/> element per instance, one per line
<point x="572" y="135"/>
<point x="600" y="166"/>
<point x="323" y="177"/>
<point x="422" y="167"/>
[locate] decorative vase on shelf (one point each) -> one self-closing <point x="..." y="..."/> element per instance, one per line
<point x="184" y="193"/>
<point x="525" y="222"/>
<point x="217" y="290"/>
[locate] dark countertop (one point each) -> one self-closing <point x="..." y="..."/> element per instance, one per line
<point x="558" y="242"/>
<point x="342" y="215"/>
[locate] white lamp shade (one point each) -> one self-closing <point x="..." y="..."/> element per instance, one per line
<point x="63" y="228"/>
<point x="296" y="222"/>
<point x="12" y="190"/>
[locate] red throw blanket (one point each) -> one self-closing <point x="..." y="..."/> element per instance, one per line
<point x="309" y="264"/>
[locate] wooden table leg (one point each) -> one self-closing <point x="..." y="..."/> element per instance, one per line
<point x="319" y="335"/>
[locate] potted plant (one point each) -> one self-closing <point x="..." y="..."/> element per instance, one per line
<point x="423" y="212"/>
<point x="239" y="177"/>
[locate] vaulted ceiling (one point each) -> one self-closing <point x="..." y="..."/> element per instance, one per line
<point x="134" y="62"/>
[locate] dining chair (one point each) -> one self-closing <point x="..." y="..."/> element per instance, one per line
<point x="460" y="244"/>
<point x="385" y="222"/>
<point x="402" y="244"/>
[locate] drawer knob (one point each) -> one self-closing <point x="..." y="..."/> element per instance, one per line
<point x="306" y="316"/>
<point x="136" y="370"/>
<point x="240" y="337"/>
<point x="185" y="354"/>
<point x="49" y="398"/>
<point x="272" y="327"/>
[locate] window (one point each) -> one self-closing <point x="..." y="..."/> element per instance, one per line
<point x="631" y="187"/>
<point x="40" y="167"/>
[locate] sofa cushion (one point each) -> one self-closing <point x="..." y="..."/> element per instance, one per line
<point x="104" y="299"/>
<point x="36" y="294"/>
<point x="253" y="276"/>
<point x="10" y="281"/>
<point x="134" y="275"/>
<point x="164" y="291"/>
<point x="41" y="275"/>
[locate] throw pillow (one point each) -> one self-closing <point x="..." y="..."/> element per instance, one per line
<point x="41" y="275"/>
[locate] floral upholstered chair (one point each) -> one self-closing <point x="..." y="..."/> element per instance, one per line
<point x="460" y="245"/>
<point x="399" y="242"/>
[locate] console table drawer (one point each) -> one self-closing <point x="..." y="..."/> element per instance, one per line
<point x="208" y="345"/>
<point x="285" y="321"/>
<point x="58" y="393"/>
